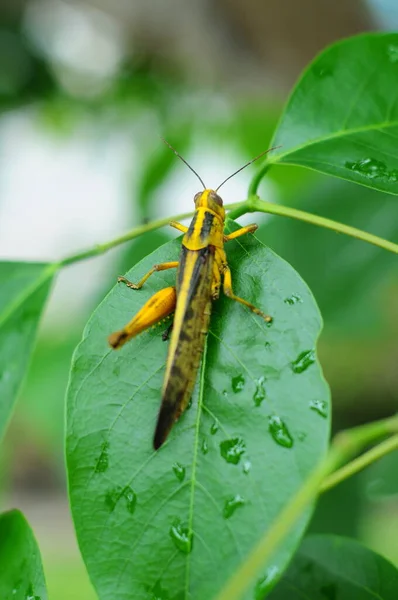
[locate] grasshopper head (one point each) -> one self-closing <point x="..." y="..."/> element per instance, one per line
<point x="210" y="199"/>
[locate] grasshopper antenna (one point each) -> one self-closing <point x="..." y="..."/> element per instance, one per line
<point x="184" y="161"/>
<point x="246" y="165"/>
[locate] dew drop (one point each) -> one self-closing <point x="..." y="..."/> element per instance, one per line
<point x="280" y="432"/>
<point x="266" y="583"/>
<point x="238" y="383"/>
<point x="30" y="595"/>
<point x="267" y="345"/>
<point x="116" y="370"/>
<point x="113" y="496"/>
<point x="259" y="394"/>
<point x="320" y="407"/>
<point x="102" y="463"/>
<point x="372" y="168"/>
<point x="204" y="447"/>
<point x="189" y="404"/>
<point x="392" y="52"/>
<point x="246" y="466"/>
<point x="225" y="393"/>
<point x="302" y="436"/>
<point x="158" y="593"/>
<point x="214" y="428"/>
<point x="232" y="450"/>
<point x="131" y="499"/>
<point x="293" y="299"/>
<point x="231" y="505"/>
<point x="182" y="537"/>
<point x="179" y="471"/>
<point x="303" y="361"/>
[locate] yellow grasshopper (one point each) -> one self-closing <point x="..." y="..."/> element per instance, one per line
<point x="202" y="267"/>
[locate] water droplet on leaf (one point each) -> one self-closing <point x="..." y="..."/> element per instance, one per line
<point x="303" y="361"/>
<point x="238" y="383"/>
<point x="320" y="407"/>
<point x="131" y="499"/>
<point x="179" y="471"/>
<point x="392" y="52"/>
<point x="280" y="432"/>
<point x="259" y="394"/>
<point x="204" y="447"/>
<point x="293" y="299"/>
<point x="158" y="593"/>
<point x="214" y="428"/>
<point x="113" y="496"/>
<point x="372" y="168"/>
<point x="231" y="505"/>
<point x="182" y="537"/>
<point x="103" y="459"/>
<point x="246" y="466"/>
<point x="232" y="450"/>
<point x="266" y="583"/>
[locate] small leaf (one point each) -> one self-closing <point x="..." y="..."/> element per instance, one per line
<point x="342" y="117"/>
<point x="23" y="292"/>
<point x="329" y="567"/>
<point x="21" y="573"/>
<point x="203" y="500"/>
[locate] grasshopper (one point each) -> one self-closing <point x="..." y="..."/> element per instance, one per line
<point x="201" y="270"/>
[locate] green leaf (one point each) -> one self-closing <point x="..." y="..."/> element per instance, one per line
<point x="176" y="523"/>
<point x="347" y="276"/>
<point x="342" y="117"/>
<point x="21" y="573"/>
<point x="23" y="292"/>
<point x="336" y="568"/>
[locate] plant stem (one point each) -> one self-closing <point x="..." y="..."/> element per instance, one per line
<point x="255" y="182"/>
<point x="360" y="463"/>
<point x="345" y="444"/>
<point x="130" y="235"/>
<point x="276" y="209"/>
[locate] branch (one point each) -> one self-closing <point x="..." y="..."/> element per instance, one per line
<point x="256" y="204"/>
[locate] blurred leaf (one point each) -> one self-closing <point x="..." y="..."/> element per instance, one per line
<point x="339" y="510"/>
<point x="178" y="521"/>
<point x="24" y="288"/>
<point x="345" y="274"/>
<point x="21" y="574"/>
<point x="337" y="568"/>
<point x="42" y="400"/>
<point x="381" y="479"/>
<point x="342" y="117"/>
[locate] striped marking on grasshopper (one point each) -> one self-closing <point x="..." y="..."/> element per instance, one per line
<point x="201" y="271"/>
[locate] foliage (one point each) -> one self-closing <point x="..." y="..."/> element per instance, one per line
<point x="231" y="492"/>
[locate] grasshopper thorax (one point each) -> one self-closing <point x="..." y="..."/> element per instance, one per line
<point x="211" y="200"/>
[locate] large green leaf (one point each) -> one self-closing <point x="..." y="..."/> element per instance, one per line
<point x="23" y="292"/>
<point x="177" y="522"/>
<point x="21" y="572"/>
<point x="337" y="568"/>
<point x="342" y="117"/>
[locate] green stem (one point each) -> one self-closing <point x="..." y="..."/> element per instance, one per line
<point x="360" y="463"/>
<point x="130" y="235"/>
<point x="345" y="444"/>
<point x="300" y="215"/>
<point x="255" y="182"/>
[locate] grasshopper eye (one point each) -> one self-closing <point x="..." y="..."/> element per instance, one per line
<point x="217" y="199"/>
<point x="197" y="196"/>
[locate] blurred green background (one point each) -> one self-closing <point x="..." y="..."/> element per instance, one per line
<point x="86" y="91"/>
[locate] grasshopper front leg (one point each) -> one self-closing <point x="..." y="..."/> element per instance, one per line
<point x="155" y="269"/>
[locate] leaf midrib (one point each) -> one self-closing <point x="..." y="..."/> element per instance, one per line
<point x="338" y="134"/>
<point x="27" y="292"/>
<point x="194" y="464"/>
